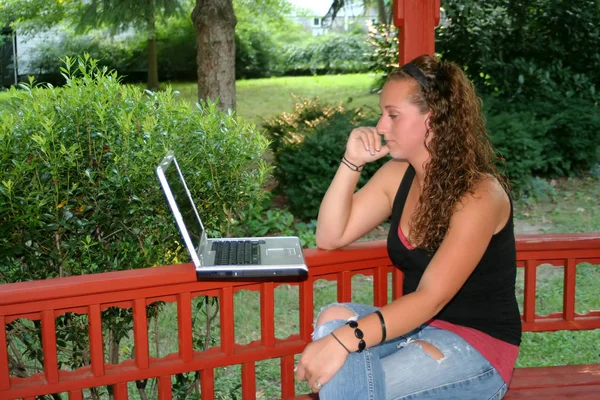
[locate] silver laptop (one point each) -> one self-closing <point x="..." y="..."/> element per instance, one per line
<point x="231" y="257"/>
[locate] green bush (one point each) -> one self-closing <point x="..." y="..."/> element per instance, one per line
<point x="572" y="143"/>
<point x="255" y="54"/>
<point x="516" y="137"/>
<point x="124" y="56"/>
<point x="310" y="143"/>
<point x="383" y="53"/>
<point x="524" y="50"/>
<point x="78" y="185"/>
<point x="544" y="138"/>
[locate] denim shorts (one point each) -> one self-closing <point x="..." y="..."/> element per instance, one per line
<point x="399" y="369"/>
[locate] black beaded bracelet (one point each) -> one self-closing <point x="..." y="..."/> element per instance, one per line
<point x="359" y="335"/>
<point x="383" y="330"/>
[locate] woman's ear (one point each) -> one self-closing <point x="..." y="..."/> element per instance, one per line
<point x="427" y="121"/>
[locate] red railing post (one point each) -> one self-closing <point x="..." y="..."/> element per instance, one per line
<point x="4" y="371"/>
<point x="416" y="21"/>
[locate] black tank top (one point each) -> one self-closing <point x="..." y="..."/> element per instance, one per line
<point x="487" y="300"/>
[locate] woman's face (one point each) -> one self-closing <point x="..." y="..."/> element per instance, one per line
<point x="402" y="124"/>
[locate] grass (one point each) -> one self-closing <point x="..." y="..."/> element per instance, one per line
<point x="261" y="99"/>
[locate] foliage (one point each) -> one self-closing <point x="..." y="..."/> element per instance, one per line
<point x="549" y="139"/>
<point x="309" y="144"/>
<point x="266" y="220"/>
<point x="331" y="53"/>
<point x="125" y="55"/>
<point x="80" y="194"/>
<point x="383" y="42"/>
<point x="524" y="50"/>
<point x="256" y="55"/>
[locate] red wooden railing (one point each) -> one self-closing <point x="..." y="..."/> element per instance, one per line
<point x="91" y="294"/>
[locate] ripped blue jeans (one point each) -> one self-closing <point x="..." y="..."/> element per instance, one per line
<point x="400" y="369"/>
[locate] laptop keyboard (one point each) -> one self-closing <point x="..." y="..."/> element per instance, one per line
<point x="237" y="252"/>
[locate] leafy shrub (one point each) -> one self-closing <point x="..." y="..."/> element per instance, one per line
<point x="572" y="143"/>
<point x="383" y="53"/>
<point x="549" y="139"/>
<point x="256" y="55"/>
<point x="516" y="137"/>
<point x="79" y="192"/>
<point x="327" y="54"/>
<point x="288" y="128"/>
<point x="524" y="50"/>
<point x="266" y="220"/>
<point x="309" y="152"/>
<point x="123" y="55"/>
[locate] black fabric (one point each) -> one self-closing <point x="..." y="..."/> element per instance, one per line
<point x="487" y="301"/>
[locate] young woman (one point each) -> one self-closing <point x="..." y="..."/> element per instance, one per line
<point x="455" y="332"/>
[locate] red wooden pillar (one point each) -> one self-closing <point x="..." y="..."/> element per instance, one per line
<point x="416" y="21"/>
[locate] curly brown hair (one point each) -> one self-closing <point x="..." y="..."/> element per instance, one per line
<point x="461" y="154"/>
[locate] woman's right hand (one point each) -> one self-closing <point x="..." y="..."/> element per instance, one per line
<point x="364" y="146"/>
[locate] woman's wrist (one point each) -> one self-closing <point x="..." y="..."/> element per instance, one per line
<point x="353" y="165"/>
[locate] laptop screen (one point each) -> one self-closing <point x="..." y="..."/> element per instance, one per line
<point x="185" y="204"/>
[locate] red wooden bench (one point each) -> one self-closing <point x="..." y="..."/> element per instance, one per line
<point x="135" y="289"/>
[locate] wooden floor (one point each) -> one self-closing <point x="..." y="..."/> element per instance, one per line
<point x="581" y="382"/>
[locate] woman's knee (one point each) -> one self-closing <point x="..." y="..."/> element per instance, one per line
<point x="330" y="319"/>
<point x="334" y="312"/>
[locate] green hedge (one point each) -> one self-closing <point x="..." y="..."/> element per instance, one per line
<point x="78" y="189"/>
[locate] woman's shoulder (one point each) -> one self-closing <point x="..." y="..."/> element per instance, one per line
<point x="490" y="198"/>
<point x="389" y="176"/>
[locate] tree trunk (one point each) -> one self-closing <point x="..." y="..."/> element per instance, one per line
<point x="153" y="83"/>
<point x="214" y="22"/>
<point x="382" y="14"/>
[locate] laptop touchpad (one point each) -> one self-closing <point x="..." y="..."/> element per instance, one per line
<point x="281" y="252"/>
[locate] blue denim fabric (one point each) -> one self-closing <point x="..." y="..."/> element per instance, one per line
<point x="399" y="370"/>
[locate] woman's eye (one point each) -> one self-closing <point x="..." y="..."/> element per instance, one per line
<point x="393" y="116"/>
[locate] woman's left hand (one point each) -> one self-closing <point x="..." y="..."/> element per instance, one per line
<point x="320" y="361"/>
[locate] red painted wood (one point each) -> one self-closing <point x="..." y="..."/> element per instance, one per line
<point x="4" y="371"/>
<point x="416" y="20"/>
<point x="184" y="326"/>
<point x="96" y="344"/>
<point x="120" y="391"/>
<point x="344" y="287"/>
<point x="248" y="380"/>
<point x="287" y="377"/>
<point x="164" y="388"/>
<point x="227" y="327"/>
<point x="49" y="346"/>
<point x="267" y="314"/>
<point x="570" y="274"/>
<point x="140" y="333"/>
<point x="207" y="384"/>
<point x="380" y="287"/>
<point x="75" y="395"/>
<point x="529" y="296"/>
<point x="553" y="393"/>
<point x="569" y="375"/>
<point x="306" y="308"/>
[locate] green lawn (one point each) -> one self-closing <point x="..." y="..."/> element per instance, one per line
<point x="260" y="99"/>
